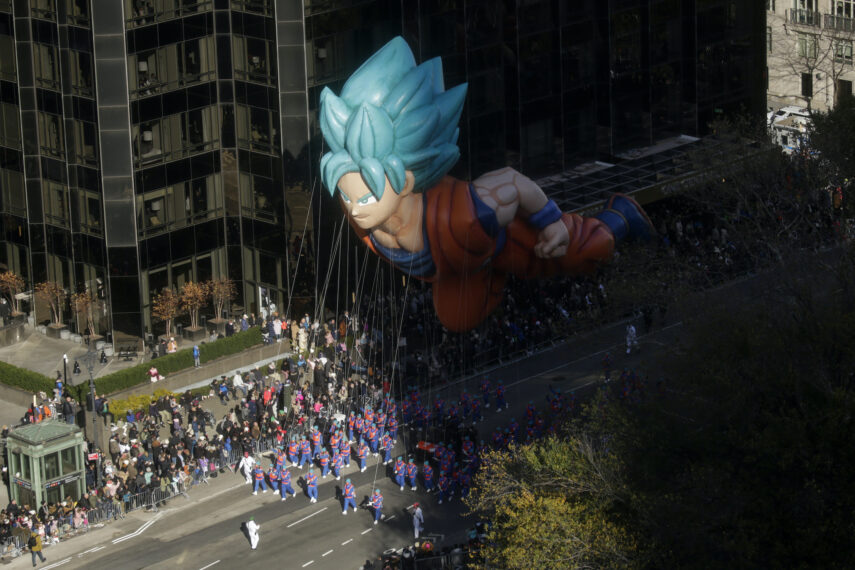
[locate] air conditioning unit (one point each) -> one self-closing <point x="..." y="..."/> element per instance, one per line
<point x="143" y="66"/>
<point x="322" y="53"/>
<point x="147" y="136"/>
<point x="157" y="205"/>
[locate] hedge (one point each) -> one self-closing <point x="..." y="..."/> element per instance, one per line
<point x="25" y="379"/>
<point x="171" y="363"/>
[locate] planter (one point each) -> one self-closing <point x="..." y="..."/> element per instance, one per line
<point x="219" y="325"/>
<point x="93" y="340"/>
<point x="76" y="338"/>
<point x="108" y="350"/>
<point x="195" y="334"/>
<point x="42" y="329"/>
<point x="65" y="334"/>
<point x="55" y="331"/>
<point x="99" y="344"/>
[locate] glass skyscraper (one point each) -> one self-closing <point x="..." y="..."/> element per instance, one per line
<point x="147" y="143"/>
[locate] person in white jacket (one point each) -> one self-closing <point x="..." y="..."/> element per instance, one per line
<point x="246" y="465"/>
<point x="418" y="520"/>
<point x="252" y="529"/>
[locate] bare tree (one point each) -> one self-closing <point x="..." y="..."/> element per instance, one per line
<point x="83" y="304"/>
<point x="165" y="307"/>
<point x="194" y="296"/>
<point x="11" y="283"/>
<point x="54" y="295"/>
<point x="222" y="290"/>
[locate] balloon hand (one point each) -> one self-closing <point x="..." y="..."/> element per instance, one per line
<point x="552" y="240"/>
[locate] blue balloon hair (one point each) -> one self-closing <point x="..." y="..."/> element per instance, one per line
<point x="392" y="116"/>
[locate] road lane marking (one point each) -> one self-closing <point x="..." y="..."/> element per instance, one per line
<point x="305" y="518"/>
<point x="209" y="565"/>
<point x="95" y="549"/>
<point x="309" y="562"/>
<point x="140" y="530"/>
<point x="346" y="541"/>
<point x="327" y="552"/>
<point x="55" y="564"/>
<point x="390" y="518"/>
<point x="367" y="530"/>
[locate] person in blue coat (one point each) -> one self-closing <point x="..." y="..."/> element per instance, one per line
<point x="377" y="504"/>
<point x="285" y="483"/>
<point x="312" y="486"/>
<point x="349" y="494"/>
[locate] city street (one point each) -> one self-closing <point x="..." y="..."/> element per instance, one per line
<point x="205" y="531"/>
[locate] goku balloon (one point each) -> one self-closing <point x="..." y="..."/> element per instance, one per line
<point x="392" y="135"/>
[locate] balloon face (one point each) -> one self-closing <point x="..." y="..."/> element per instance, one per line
<point x="366" y="210"/>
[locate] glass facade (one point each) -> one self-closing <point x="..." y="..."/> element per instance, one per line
<point x="147" y="143"/>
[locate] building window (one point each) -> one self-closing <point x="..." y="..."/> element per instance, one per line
<point x="844" y="89"/>
<point x="844" y="8"/>
<point x="807" y="85"/>
<point x="809" y="5"/>
<point x="770" y="5"/>
<point x="807" y="46"/>
<point x="768" y="39"/>
<point x="843" y="51"/>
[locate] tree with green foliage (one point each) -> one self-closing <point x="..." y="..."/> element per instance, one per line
<point x="744" y="461"/>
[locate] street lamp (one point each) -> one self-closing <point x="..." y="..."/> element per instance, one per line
<point x="64" y="370"/>
<point x="89" y="361"/>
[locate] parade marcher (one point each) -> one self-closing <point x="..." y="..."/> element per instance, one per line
<point x="252" y="529"/>
<point x="293" y="451"/>
<point x="412" y="474"/>
<point x="273" y="478"/>
<point x="285" y="484"/>
<point x="631" y="338"/>
<point x="427" y="476"/>
<point x="259" y="480"/>
<point x="349" y="494"/>
<point x="444" y="487"/>
<point x="305" y="452"/>
<point x="500" y="397"/>
<point x="387" y="446"/>
<point x="336" y="465"/>
<point x="324" y="462"/>
<point x="485" y="391"/>
<point x="362" y="453"/>
<point x="400" y="468"/>
<point x="418" y="520"/>
<point x="312" y="486"/>
<point x="344" y="449"/>
<point x="377" y="504"/>
<point x="246" y="465"/>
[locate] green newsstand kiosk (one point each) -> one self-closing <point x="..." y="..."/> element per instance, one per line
<point x="46" y="463"/>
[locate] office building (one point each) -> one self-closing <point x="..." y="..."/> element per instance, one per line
<point x="146" y="143"/>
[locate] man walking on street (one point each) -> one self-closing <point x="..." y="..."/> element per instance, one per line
<point x="35" y="545"/>
<point x="418" y="520"/>
<point x="252" y="529"/>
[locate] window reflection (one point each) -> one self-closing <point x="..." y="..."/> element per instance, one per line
<point x="172" y="66"/>
<point x="252" y="57"/>
<point x="55" y="202"/>
<point x="176" y="136"/>
<point x="45" y="65"/>
<point x="80" y="67"/>
<point x="50" y="134"/>
<point x="145" y="12"/>
<point x="10" y="127"/>
<point x="7" y="58"/>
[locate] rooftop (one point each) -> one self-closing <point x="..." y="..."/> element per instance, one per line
<point x="43" y="432"/>
<point x="672" y="160"/>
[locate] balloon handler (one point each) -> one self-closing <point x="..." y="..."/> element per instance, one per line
<point x="392" y="135"/>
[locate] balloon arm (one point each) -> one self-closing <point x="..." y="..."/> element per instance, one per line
<point x="506" y="191"/>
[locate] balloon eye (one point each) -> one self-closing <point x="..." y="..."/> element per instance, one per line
<point x="344" y="197"/>
<point x="369" y="199"/>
